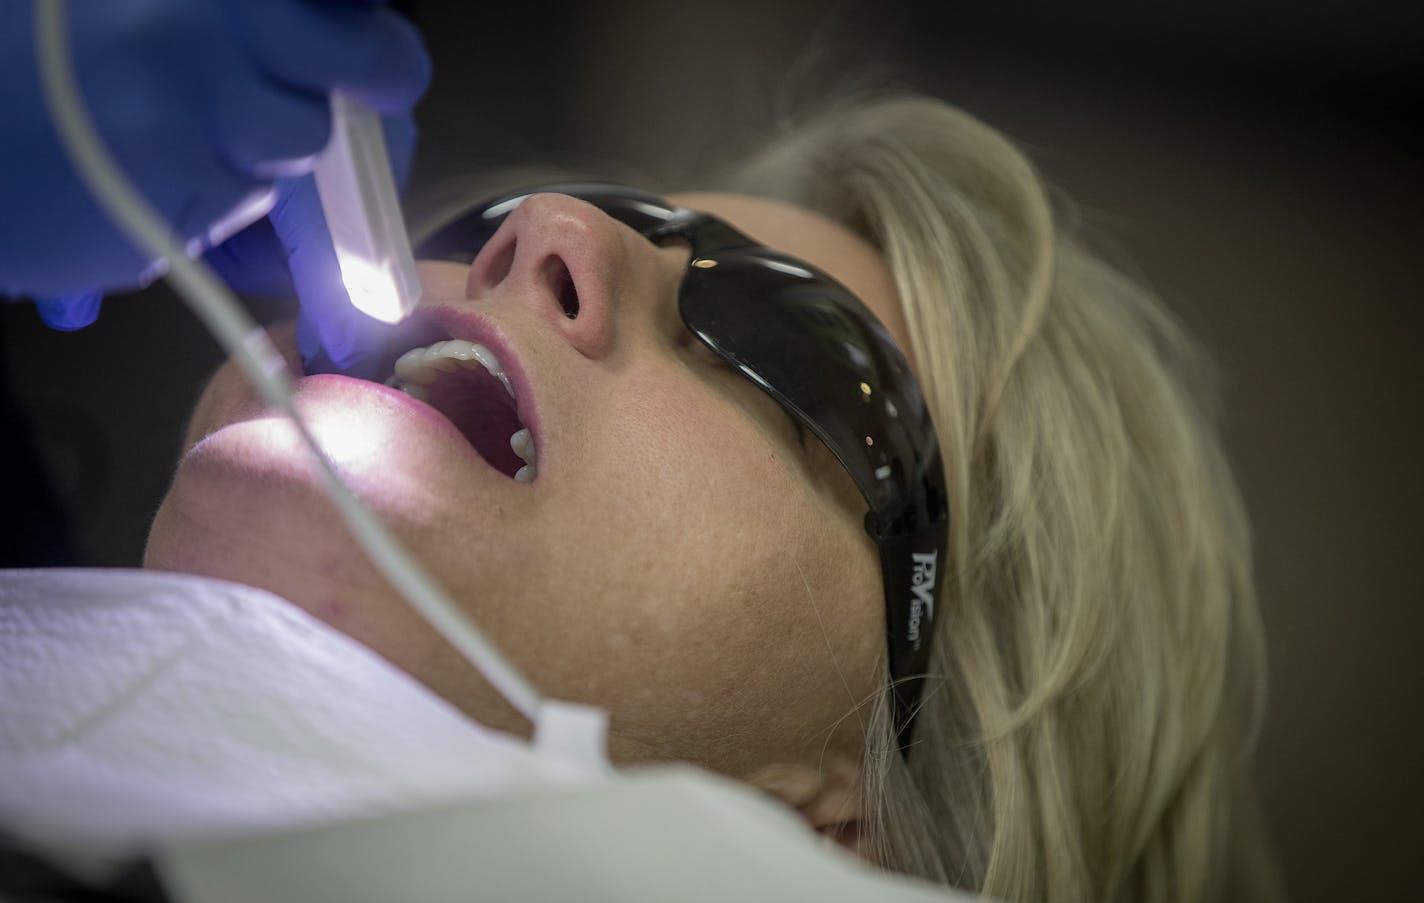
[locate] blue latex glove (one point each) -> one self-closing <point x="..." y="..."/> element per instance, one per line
<point x="203" y="104"/>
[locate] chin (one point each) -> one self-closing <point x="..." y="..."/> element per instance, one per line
<point x="246" y="508"/>
<point x="283" y="537"/>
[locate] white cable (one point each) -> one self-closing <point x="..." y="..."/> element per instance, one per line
<point x="211" y="301"/>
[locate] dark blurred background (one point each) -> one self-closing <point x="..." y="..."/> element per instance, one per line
<point x="1257" y="161"/>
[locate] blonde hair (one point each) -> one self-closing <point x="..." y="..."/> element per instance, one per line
<point x="1097" y="677"/>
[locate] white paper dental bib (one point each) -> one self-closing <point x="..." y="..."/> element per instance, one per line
<point x="220" y="730"/>
<point x="138" y="706"/>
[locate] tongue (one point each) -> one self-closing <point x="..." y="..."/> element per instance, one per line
<point x="482" y="410"/>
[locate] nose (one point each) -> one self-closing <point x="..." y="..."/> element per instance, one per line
<point x="567" y="259"/>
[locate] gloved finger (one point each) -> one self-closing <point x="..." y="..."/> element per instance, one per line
<point x="70" y="312"/>
<point x="328" y="322"/>
<point x="268" y="129"/>
<point x="368" y="50"/>
<point x="253" y="262"/>
<point x="203" y="213"/>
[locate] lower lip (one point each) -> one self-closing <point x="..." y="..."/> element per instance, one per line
<point x="415" y="419"/>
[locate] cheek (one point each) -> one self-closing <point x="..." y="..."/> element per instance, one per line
<point x="698" y="454"/>
<point x="737" y="589"/>
<point x="676" y="498"/>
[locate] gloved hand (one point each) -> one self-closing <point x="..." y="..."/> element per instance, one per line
<point x="203" y="104"/>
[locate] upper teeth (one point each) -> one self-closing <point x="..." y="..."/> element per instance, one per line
<point x="422" y="366"/>
<point x="418" y="368"/>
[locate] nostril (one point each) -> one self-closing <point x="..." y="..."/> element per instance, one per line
<point x="500" y="266"/>
<point x="561" y="283"/>
<point x="568" y="297"/>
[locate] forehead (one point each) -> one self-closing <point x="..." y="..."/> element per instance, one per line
<point x="818" y="241"/>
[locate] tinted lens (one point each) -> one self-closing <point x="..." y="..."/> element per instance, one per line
<point x="822" y="354"/>
<point x="819" y="352"/>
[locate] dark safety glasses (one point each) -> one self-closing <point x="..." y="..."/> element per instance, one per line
<point x="805" y="340"/>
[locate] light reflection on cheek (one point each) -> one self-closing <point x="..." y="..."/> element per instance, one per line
<point x="361" y="447"/>
<point x="350" y="444"/>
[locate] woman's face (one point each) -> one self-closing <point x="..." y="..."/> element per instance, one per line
<point x="682" y="559"/>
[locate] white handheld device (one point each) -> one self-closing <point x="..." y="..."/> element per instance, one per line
<point x="358" y="196"/>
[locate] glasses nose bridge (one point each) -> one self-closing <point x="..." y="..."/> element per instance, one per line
<point x="704" y="233"/>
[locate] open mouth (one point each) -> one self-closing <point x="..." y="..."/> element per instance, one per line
<point x="466" y="382"/>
